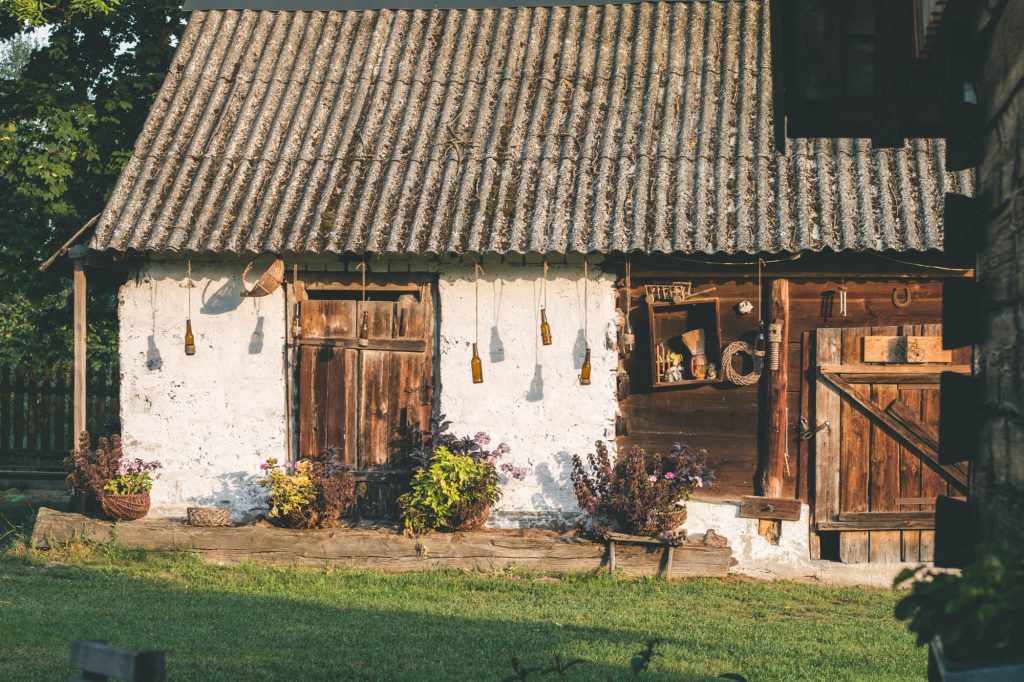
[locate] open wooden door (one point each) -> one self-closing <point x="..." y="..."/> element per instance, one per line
<point x="876" y="465"/>
<point x="363" y="398"/>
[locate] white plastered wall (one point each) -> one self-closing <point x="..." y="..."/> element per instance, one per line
<point x="213" y="417"/>
<point x="531" y="397"/>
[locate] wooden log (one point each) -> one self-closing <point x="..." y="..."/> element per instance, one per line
<point x="384" y="549"/>
<point x="779" y="508"/>
<point x="776" y="450"/>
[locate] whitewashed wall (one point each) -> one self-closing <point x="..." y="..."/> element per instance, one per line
<point x="531" y="397"/>
<point x="210" y="418"/>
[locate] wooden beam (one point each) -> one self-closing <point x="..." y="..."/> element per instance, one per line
<point x="889" y="371"/>
<point x="77" y="254"/>
<point x="400" y="345"/>
<point x="777" y="440"/>
<point x="778" y="385"/>
<point x="862" y="521"/>
<point x="905" y="435"/>
<point x="782" y="508"/>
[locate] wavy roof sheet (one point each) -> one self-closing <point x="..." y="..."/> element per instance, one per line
<point x="613" y="128"/>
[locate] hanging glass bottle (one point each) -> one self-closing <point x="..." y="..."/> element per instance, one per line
<point x="585" y="370"/>
<point x="477" y="367"/>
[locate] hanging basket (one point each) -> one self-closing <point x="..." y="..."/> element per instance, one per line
<point x="125" y="507"/>
<point x="208" y="517"/>
<point x="268" y="282"/>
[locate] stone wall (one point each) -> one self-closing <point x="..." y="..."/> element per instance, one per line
<point x="997" y="486"/>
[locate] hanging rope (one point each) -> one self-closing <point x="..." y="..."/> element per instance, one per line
<point x="546" y="283"/>
<point x="476" y="312"/>
<point x="586" y="302"/>
<point x="188" y="287"/>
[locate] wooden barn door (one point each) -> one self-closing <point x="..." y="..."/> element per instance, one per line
<point x="363" y="399"/>
<point x="877" y="472"/>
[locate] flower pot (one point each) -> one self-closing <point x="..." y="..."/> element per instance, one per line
<point x="125" y="507"/>
<point x="941" y="669"/>
<point x="471" y="516"/>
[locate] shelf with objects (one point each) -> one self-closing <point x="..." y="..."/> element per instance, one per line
<point x="685" y="337"/>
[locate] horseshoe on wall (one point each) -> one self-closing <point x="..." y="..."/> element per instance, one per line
<point x="901" y="299"/>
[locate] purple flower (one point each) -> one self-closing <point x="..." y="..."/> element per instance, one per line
<point x="502" y="449"/>
<point x="264" y="466"/>
<point x="670" y="475"/>
<point x="481" y="438"/>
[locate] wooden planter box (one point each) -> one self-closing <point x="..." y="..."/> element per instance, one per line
<point x="387" y="549"/>
<point x="940" y="669"/>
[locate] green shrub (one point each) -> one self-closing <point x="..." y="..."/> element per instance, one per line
<point x="979" y="614"/>
<point x="448" y="488"/>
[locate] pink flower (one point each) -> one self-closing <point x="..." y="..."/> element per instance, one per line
<point x="264" y="466"/>
<point x="700" y="481"/>
<point x="652" y="479"/>
<point x="670" y="474"/>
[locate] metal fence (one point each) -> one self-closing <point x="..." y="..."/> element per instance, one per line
<point x="36" y="419"/>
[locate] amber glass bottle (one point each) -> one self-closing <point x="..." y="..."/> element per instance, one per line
<point x="545" y="328"/>
<point x="364" y="329"/>
<point x="478" y="367"/>
<point x="190" y="341"/>
<point x="585" y="370"/>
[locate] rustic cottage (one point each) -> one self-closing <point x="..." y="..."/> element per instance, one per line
<point x="444" y="175"/>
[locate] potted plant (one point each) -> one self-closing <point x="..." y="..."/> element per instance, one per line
<point x="314" y="492"/>
<point x="104" y="476"/>
<point x="455" y="480"/>
<point x="126" y="495"/>
<point x="638" y="494"/>
<point x="973" y="623"/>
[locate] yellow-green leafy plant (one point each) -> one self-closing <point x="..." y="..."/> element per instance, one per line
<point x="450" y="493"/>
<point x="289" y="492"/>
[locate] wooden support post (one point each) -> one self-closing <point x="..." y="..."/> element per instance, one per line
<point x="777" y="440"/>
<point x="77" y="254"/>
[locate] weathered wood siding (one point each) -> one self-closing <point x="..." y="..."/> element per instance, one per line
<point x="727" y="420"/>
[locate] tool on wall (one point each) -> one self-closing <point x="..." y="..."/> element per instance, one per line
<point x="774" y="344"/>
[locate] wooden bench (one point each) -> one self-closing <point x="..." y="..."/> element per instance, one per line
<point x="99" y="661"/>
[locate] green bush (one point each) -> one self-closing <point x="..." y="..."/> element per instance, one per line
<point x="446" y="489"/>
<point x="979" y="614"/>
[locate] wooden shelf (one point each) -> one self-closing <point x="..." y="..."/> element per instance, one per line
<point x="668" y="321"/>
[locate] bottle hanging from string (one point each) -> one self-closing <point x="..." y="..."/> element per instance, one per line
<point x="476" y="366"/>
<point x="364" y="330"/>
<point x="545" y="328"/>
<point x="585" y="368"/>
<point x="190" y="340"/>
<point x="628" y="337"/>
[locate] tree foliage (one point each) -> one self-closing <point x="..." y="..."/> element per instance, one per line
<point x="71" y="107"/>
<point x="39" y="13"/>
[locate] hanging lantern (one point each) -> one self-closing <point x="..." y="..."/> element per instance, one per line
<point x="190" y="340"/>
<point x="545" y="328"/>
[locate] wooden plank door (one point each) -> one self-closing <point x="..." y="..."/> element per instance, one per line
<point x="876" y="466"/>
<point x="364" y="399"/>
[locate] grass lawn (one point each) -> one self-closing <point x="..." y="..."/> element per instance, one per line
<point x="248" y="622"/>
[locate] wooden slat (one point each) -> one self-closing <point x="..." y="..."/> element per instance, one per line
<point x="932" y="483"/>
<point x="910" y="482"/>
<point x="805" y="485"/>
<point x="827" y="441"/>
<point x="854" y="547"/>
<point x="891" y="348"/>
<point x="777" y="445"/>
<point x="891" y="370"/>
<point x="782" y="508"/>
<point x="393" y="345"/>
<point x="885" y="546"/>
<point x="863" y="522"/>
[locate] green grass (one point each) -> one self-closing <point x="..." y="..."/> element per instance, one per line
<point x="248" y="622"/>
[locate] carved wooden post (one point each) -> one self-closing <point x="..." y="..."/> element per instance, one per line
<point x="778" y="437"/>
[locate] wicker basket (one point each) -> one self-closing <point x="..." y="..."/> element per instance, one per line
<point x="208" y="516"/>
<point x="468" y="517"/>
<point x="125" y="507"/>
<point x="669" y="521"/>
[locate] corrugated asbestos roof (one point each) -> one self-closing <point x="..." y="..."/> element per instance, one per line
<point x="636" y="127"/>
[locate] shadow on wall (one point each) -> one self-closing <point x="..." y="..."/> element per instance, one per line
<point x="256" y="339"/>
<point x="153" y="360"/>
<point x="239" y="491"/>
<point x="555" y="484"/>
<point x="223" y="299"/>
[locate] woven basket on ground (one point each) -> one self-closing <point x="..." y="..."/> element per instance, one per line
<point x="125" y="507"/>
<point x="208" y="516"/>
<point x="468" y="517"/>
